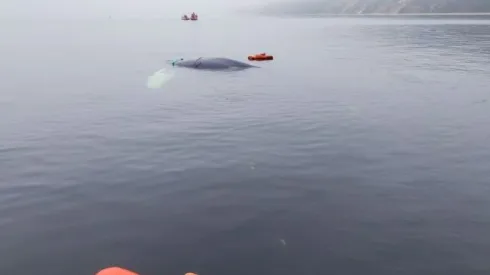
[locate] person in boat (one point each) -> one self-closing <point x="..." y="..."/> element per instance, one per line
<point x="194" y="15"/>
<point x="185" y="17"/>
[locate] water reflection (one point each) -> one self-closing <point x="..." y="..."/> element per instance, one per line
<point x="456" y="44"/>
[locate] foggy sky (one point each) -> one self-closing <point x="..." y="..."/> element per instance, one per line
<point x="116" y="8"/>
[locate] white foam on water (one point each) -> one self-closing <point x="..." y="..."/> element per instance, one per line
<point x="159" y="79"/>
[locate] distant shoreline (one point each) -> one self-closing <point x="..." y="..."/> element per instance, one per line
<point x="315" y="14"/>
<point x="379" y="14"/>
<point x="408" y="14"/>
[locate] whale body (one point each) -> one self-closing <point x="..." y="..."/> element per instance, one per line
<point x="213" y="63"/>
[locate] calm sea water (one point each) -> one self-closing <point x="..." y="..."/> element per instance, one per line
<point x="363" y="148"/>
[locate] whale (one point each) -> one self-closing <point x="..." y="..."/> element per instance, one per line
<point x="213" y="63"/>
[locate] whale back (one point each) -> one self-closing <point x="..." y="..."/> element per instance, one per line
<point x="213" y="63"/>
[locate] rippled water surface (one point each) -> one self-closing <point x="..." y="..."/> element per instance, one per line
<point x="363" y="148"/>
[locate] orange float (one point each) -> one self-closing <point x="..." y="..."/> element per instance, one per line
<point x="260" y="57"/>
<point x="116" y="271"/>
<point x="121" y="271"/>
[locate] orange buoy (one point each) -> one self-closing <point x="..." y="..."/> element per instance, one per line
<point x="115" y="271"/>
<point x="121" y="271"/>
<point x="260" y="57"/>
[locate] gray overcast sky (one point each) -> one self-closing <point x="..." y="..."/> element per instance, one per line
<point x="117" y="8"/>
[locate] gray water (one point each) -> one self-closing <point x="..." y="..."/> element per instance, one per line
<point x="363" y="148"/>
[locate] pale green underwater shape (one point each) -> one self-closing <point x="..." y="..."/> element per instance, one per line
<point x="159" y="79"/>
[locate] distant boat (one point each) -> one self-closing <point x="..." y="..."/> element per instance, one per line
<point x="193" y="17"/>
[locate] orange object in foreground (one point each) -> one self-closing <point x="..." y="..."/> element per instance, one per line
<point x="115" y="271"/>
<point x="121" y="271"/>
<point x="260" y="57"/>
